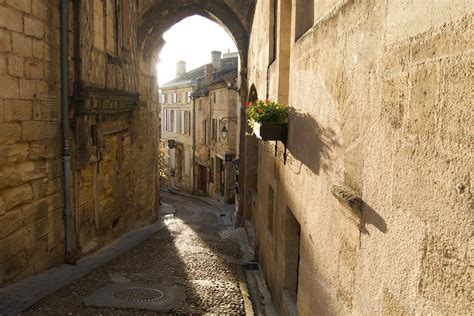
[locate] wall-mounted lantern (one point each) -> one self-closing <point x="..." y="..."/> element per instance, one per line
<point x="171" y="143"/>
<point x="224" y="121"/>
<point x="224" y="132"/>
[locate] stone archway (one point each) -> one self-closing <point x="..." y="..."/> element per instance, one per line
<point x="157" y="16"/>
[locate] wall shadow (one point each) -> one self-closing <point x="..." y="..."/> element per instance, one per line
<point x="309" y="143"/>
<point x="370" y="217"/>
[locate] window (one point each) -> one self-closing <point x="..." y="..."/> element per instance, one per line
<point x="173" y="121"/>
<point x="292" y="230"/>
<point x="174" y="97"/>
<point x="187" y="123"/>
<point x="113" y="18"/>
<point x="188" y="97"/>
<point x="204" y="132"/>
<point x="127" y="24"/>
<point x="162" y="98"/>
<point x="214" y="97"/>
<point x="304" y="19"/>
<point x="179" y="121"/>
<point x="117" y="20"/>
<point x="270" y="209"/>
<point x="214" y="130"/>
<point x="167" y="120"/>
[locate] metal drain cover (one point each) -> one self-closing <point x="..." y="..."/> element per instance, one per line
<point x="139" y="294"/>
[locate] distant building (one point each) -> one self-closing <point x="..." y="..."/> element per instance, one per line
<point x="199" y="127"/>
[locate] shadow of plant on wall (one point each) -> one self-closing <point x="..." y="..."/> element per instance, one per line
<point x="370" y="216"/>
<point x="309" y="143"/>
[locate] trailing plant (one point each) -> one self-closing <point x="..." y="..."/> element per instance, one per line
<point x="261" y="111"/>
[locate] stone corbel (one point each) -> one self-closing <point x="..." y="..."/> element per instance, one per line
<point x="350" y="201"/>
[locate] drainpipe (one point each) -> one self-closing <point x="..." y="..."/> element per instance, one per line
<point x="194" y="144"/>
<point x="65" y="129"/>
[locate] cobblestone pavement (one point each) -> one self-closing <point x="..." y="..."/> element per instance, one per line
<point x="193" y="250"/>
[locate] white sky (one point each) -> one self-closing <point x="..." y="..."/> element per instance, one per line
<point x="192" y="40"/>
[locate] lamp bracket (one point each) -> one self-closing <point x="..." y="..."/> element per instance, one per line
<point x="228" y="119"/>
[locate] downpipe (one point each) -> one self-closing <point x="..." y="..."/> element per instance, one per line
<point x="66" y="152"/>
<point x="194" y="145"/>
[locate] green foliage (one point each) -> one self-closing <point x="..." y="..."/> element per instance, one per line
<point x="266" y="111"/>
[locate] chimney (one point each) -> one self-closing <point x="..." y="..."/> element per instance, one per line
<point x="208" y="74"/>
<point x="216" y="60"/>
<point x="180" y="68"/>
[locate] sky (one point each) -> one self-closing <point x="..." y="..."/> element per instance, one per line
<point x="192" y="40"/>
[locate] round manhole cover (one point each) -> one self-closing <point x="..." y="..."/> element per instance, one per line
<point x="139" y="294"/>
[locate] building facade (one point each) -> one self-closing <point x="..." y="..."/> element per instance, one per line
<point x="216" y="134"/>
<point x="369" y="210"/>
<point x="176" y="124"/>
<point x="112" y="136"/>
<point x="195" y="108"/>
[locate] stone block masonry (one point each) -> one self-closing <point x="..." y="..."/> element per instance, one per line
<point x="112" y="136"/>
<point x="30" y="200"/>
<point x="382" y="92"/>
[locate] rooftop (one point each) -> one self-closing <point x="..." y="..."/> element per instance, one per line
<point x="228" y="72"/>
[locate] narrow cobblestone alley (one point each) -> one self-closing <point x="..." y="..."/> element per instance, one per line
<point x="196" y="250"/>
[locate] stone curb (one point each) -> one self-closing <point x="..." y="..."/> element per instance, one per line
<point x="16" y="298"/>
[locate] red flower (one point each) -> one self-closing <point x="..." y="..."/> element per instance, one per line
<point x="247" y="104"/>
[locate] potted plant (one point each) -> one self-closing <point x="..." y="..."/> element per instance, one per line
<point x="268" y="120"/>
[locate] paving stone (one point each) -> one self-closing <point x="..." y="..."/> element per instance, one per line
<point x="193" y="251"/>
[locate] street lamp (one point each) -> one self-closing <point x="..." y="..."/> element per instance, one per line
<point x="223" y="121"/>
<point x="224" y="132"/>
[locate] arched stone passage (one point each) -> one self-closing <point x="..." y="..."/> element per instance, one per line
<point x="156" y="17"/>
<point x="159" y="17"/>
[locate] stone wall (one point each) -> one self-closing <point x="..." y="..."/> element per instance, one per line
<point x="223" y="108"/>
<point x="113" y="133"/>
<point x="380" y="99"/>
<point x="31" y="198"/>
<point x="114" y="126"/>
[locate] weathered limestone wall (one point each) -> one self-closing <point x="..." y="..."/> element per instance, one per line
<point x="223" y="108"/>
<point x="113" y="132"/>
<point x="202" y="108"/>
<point x="380" y="98"/>
<point x="31" y="222"/>
<point x="116" y="127"/>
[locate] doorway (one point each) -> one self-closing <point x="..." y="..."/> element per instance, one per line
<point x="292" y="261"/>
<point x="221" y="166"/>
<point x="202" y="181"/>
